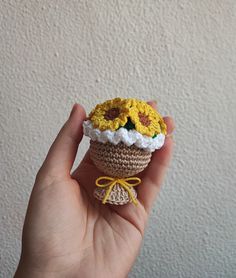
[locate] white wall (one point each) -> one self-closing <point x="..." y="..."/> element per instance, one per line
<point x="182" y="53"/>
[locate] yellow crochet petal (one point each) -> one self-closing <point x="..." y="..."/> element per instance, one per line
<point x="112" y="114"/>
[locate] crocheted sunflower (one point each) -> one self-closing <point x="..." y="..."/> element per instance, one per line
<point x="124" y="133"/>
<point x="111" y="114"/>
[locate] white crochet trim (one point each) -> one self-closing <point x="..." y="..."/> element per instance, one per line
<point x="128" y="137"/>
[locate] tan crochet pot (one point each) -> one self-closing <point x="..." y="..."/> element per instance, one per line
<point x="118" y="161"/>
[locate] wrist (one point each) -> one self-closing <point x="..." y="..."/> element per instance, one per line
<point x="26" y="270"/>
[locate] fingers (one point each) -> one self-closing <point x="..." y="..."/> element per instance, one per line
<point x="61" y="155"/>
<point x="153" y="175"/>
<point x="170" y="125"/>
<point x="168" y="120"/>
<point x="152" y="103"/>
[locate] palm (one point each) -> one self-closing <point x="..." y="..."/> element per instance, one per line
<point x="67" y="231"/>
<point x="110" y="230"/>
<point x="78" y="230"/>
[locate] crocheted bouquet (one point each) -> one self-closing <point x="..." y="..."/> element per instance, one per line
<point x="123" y="133"/>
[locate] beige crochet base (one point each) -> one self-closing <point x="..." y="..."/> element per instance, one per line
<point x="118" y="195"/>
<point x="119" y="160"/>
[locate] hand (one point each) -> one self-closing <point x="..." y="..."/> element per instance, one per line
<point x="67" y="233"/>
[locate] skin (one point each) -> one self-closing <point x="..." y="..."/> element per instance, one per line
<point x="67" y="233"/>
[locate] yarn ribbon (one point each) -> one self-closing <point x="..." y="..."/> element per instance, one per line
<point x="124" y="182"/>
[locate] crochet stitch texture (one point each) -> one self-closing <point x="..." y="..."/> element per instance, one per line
<point x="116" y="113"/>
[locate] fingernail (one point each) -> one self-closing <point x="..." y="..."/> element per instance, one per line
<point x="73" y="110"/>
<point x="153" y="100"/>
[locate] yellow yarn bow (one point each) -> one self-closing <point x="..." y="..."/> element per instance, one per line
<point x="124" y="182"/>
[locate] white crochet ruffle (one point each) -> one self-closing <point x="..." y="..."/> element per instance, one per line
<point x="128" y="137"/>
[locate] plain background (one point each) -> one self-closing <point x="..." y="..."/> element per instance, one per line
<point x="180" y="53"/>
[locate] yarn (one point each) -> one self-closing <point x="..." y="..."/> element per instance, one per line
<point x="123" y="133"/>
<point x="111" y="182"/>
<point x="128" y="137"/>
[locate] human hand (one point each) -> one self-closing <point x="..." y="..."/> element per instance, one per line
<point x="67" y="233"/>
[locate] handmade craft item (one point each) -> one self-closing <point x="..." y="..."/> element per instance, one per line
<point x="123" y="134"/>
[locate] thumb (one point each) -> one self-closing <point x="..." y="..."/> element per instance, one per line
<point x="61" y="155"/>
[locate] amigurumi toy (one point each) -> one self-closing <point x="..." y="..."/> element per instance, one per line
<point x="123" y="133"/>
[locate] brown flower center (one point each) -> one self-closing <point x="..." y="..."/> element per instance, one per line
<point x="144" y="119"/>
<point x="112" y="113"/>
